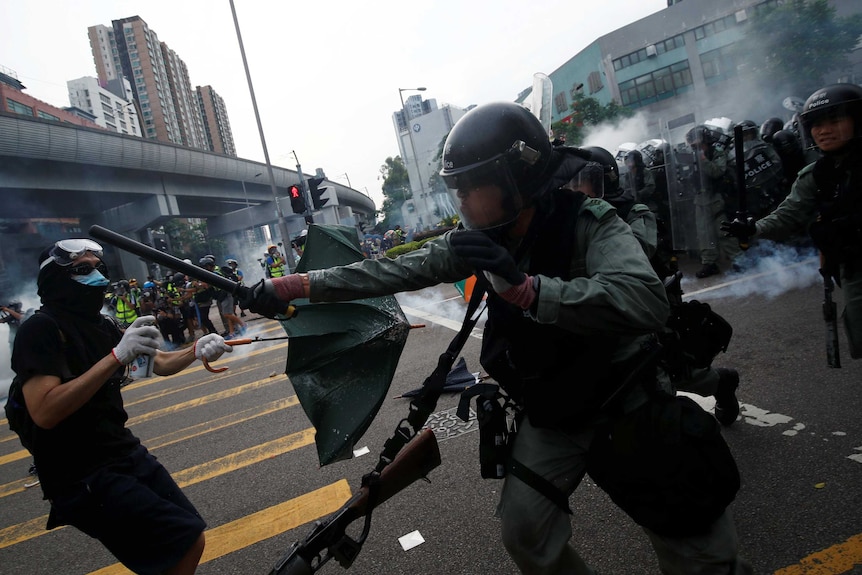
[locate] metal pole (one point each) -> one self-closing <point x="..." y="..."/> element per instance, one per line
<point x="413" y="148"/>
<point x="282" y="225"/>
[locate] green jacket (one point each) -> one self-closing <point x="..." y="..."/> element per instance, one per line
<point x="617" y="291"/>
<point x="798" y="210"/>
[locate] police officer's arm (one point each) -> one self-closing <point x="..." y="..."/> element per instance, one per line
<point x="432" y="264"/>
<point x="795" y="213"/>
<point x="645" y="193"/>
<point x="715" y="167"/>
<point x="620" y="293"/>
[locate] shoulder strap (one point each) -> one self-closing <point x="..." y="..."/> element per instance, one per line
<point x="425" y="402"/>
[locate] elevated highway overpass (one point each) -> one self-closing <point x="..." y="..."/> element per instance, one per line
<point x="58" y="179"/>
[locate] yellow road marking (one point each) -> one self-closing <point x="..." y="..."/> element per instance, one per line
<point x="22" y="453"/>
<point x="840" y="558"/>
<point x="223" y="465"/>
<point x="264" y="524"/>
<point x="171" y="438"/>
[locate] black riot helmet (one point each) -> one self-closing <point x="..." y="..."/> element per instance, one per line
<point x="634" y="158"/>
<point x="700" y="135"/>
<point x="611" y="182"/>
<point x="769" y="127"/>
<point x="494" y="160"/>
<point x="832" y="101"/>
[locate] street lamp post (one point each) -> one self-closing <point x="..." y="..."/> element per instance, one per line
<point x="405" y="115"/>
<point x="282" y="225"/>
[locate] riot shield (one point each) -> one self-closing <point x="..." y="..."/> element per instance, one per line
<point x="673" y="167"/>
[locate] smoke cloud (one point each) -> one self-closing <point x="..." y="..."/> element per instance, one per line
<point x="771" y="269"/>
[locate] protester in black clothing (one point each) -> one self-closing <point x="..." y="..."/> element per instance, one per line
<point x="69" y="362"/>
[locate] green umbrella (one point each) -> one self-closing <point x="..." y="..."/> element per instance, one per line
<point x="342" y="356"/>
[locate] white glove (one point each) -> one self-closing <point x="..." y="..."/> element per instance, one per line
<point x="211" y="346"/>
<point x="140" y="338"/>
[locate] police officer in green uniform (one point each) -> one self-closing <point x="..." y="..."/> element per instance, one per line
<point x="709" y="199"/>
<point x="572" y="298"/>
<point x="826" y="199"/>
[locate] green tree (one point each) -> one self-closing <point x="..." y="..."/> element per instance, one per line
<point x="396" y="190"/>
<point x="790" y="47"/>
<point x="586" y="112"/>
<point x="191" y="241"/>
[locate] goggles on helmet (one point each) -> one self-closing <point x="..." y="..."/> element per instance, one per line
<point x="65" y="252"/>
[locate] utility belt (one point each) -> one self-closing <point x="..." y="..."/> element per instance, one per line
<point x="840" y="240"/>
<point x="499" y="417"/>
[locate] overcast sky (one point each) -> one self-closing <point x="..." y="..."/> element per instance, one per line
<point x="326" y="74"/>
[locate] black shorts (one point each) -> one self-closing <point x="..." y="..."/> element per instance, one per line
<point x="136" y="510"/>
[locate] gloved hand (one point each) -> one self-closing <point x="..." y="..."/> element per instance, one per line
<point x="140" y="338"/>
<point x="211" y="346"/>
<point x="739" y="228"/>
<point x="270" y="298"/>
<point x="486" y="255"/>
<point x="497" y="264"/>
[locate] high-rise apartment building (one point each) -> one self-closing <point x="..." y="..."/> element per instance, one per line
<point x="185" y="100"/>
<point x="112" y="106"/>
<point x="170" y="109"/>
<point x="217" y="131"/>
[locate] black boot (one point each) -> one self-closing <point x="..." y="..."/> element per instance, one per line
<point x="726" y="404"/>
<point x="708" y="270"/>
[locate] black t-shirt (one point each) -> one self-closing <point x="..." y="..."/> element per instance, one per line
<point x="96" y="433"/>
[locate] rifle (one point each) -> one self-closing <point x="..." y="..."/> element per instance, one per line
<point x="830" y="316"/>
<point x="413" y="462"/>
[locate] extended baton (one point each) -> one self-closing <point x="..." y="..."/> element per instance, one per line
<point x="739" y="150"/>
<point x="174" y="263"/>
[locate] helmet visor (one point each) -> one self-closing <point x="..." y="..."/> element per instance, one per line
<point x="65" y="252"/>
<point x="590" y="180"/>
<point x="485" y="196"/>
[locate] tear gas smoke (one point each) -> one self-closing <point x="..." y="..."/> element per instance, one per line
<point x="28" y="299"/>
<point x="436" y="301"/>
<point x="610" y="135"/>
<point x="771" y="270"/>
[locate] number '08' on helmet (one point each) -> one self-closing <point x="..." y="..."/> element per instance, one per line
<point x="493" y="162"/>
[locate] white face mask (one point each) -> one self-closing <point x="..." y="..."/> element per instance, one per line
<point x="94" y="278"/>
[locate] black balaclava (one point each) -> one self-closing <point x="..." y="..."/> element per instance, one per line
<point x="60" y="293"/>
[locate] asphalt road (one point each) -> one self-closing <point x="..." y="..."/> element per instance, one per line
<point x="243" y="450"/>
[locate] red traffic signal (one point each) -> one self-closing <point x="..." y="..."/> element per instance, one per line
<point x="297" y="199"/>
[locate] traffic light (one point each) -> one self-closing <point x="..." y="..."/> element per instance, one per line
<point x="297" y="199"/>
<point x="316" y="200"/>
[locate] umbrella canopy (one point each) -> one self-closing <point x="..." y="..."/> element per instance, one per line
<point x="457" y="380"/>
<point x="342" y="356"/>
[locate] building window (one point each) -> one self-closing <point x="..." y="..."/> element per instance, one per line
<point x="640" y="55"/>
<point x="594" y="80"/>
<point x="715" y="27"/>
<point x="719" y="65"/>
<point x="657" y="85"/>
<point x="18" y="107"/>
<point x="47" y="116"/>
<point x="560" y="102"/>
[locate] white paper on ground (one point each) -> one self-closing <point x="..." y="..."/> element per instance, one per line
<point x="361" y="451"/>
<point x="411" y="540"/>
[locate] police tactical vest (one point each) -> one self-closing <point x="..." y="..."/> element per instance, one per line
<point x="559" y="378"/>
<point x="838" y="229"/>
